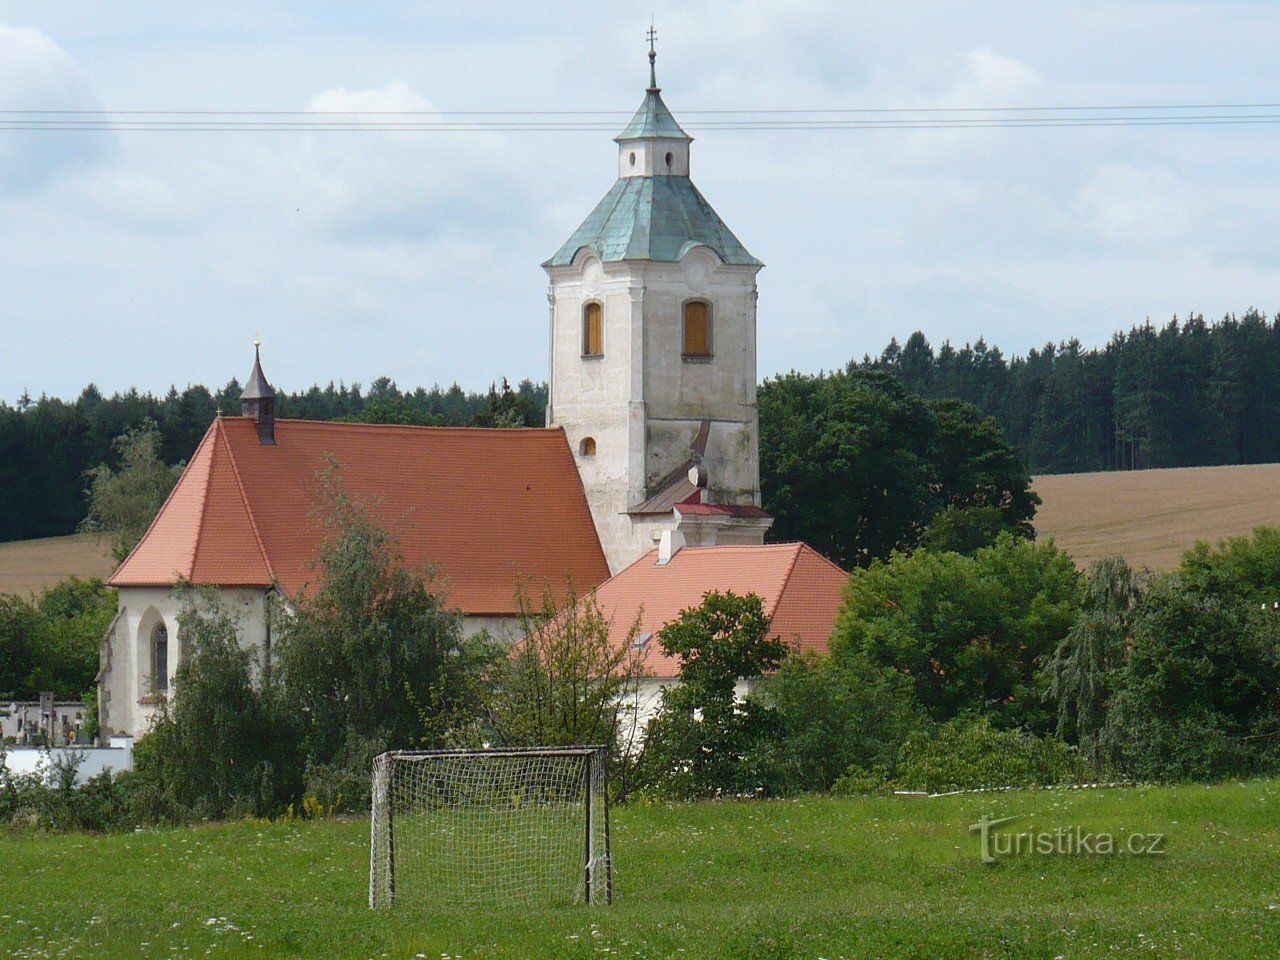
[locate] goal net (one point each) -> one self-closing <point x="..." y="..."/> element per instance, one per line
<point x="479" y="827"/>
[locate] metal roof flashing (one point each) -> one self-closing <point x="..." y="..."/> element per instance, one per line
<point x="653" y="121"/>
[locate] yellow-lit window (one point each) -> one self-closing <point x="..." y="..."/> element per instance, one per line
<point x="592" y="330"/>
<point x="697" y="329"/>
<point x="587" y="447"/>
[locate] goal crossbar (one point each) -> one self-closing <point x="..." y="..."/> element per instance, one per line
<point x="528" y="824"/>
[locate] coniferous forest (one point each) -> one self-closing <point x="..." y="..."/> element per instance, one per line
<point x="47" y="445"/>
<point x="1187" y="394"/>
<point x="1190" y="393"/>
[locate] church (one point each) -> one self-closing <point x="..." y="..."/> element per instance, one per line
<point x="644" y="487"/>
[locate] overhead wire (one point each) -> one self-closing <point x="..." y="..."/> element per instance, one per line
<point x="571" y="121"/>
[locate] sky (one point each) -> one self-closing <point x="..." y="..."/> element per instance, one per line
<point x="152" y="259"/>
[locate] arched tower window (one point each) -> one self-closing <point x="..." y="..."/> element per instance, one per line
<point x="592" y="330"/>
<point x="697" y="329"/>
<point x="587" y="448"/>
<point x="160" y="657"/>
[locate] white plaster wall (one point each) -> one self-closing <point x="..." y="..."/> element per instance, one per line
<point x="648" y="158"/>
<point x="639" y="709"/>
<point x="126" y="700"/>
<point x="505" y="629"/>
<point x="642" y="401"/>
<point x="92" y="761"/>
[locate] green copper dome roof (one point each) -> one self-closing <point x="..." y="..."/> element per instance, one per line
<point x="652" y="218"/>
<point x="653" y="119"/>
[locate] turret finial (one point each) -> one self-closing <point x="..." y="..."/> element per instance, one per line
<point x="653" y="56"/>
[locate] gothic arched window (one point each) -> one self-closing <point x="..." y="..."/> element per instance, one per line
<point x="587" y="448"/>
<point x="160" y="657"/>
<point x="592" y="330"/>
<point x="697" y="329"/>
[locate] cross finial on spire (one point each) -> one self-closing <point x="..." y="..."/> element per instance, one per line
<point x="653" y="56"/>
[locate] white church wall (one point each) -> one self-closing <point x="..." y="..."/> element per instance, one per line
<point x="128" y="697"/>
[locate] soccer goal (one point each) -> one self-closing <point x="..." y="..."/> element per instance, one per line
<point x="479" y="827"/>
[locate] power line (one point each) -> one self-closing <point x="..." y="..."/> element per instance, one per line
<point x="628" y="113"/>
<point x="534" y="121"/>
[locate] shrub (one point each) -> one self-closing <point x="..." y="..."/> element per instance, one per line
<point x="831" y="715"/>
<point x="972" y="632"/>
<point x="969" y="753"/>
<point x="55" y="802"/>
<point x="225" y="744"/>
<point x="1199" y="696"/>
<point x="700" y="742"/>
<point x="372" y="652"/>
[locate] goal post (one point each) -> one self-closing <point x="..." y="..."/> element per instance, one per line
<point x="481" y="827"/>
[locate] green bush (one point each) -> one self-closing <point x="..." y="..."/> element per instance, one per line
<point x="1199" y="696"/>
<point x="830" y="715"/>
<point x="102" y="803"/>
<point x="226" y="744"/>
<point x="973" y="633"/>
<point x="969" y="753"/>
<point x="700" y="744"/>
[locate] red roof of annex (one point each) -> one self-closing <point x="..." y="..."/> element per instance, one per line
<point x="800" y="590"/>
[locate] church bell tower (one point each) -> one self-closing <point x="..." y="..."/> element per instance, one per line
<point x="653" y="353"/>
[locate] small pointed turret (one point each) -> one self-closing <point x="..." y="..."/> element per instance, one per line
<point x="258" y="400"/>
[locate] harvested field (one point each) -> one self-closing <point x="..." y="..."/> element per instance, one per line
<point x="29" y="566"/>
<point x="1150" y="517"/>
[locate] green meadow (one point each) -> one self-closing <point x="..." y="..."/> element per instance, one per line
<point x="814" y="877"/>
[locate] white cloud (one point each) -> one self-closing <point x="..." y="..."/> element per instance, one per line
<point x="394" y="186"/>
<point x="1136" y="205"/>
<point x="37" y="74"/>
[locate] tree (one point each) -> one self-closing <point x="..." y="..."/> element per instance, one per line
<point x="506" y="409"/>
<point x="371" y="656"/>
<point x="854" y="465"/>
<point x="971" y="632"/>
<point x="17" y="645"/>
<point x="72" y="617"/>
<point x="564" y="683"/>
<point x="225" y="743"/>
<point x="974" y="469"/>
<point x="1243" y="570"/>
<point x="122" y="503"/>
<point x="831" y="715"/>
<point x="697" y="743"/>
<point x="1199" y="696"/>
<point x="1083" y="670"/>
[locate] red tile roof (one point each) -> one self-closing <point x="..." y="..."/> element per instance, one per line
<point x="486" y="506"/>
<point x="800" y="589"/>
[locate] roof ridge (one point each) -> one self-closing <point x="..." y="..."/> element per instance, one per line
<point x="409" y="426"/>
<point x="823" y="557"/>
<point x="215" y="429"/>
<point x="786" y="580"/>
<point x="164" y="506"/>
<point x="253" y="523"/>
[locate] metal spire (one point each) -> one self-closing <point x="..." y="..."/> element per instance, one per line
<point x="653" y="56"/>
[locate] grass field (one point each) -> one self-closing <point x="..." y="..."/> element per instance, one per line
<point x="29" y="566"/>
<point x="1150" y="517"/>
<point x="874" y="877"/>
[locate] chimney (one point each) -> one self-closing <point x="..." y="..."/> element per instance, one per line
<point x="671" y="542"/>
<point x="259" y="401"/>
